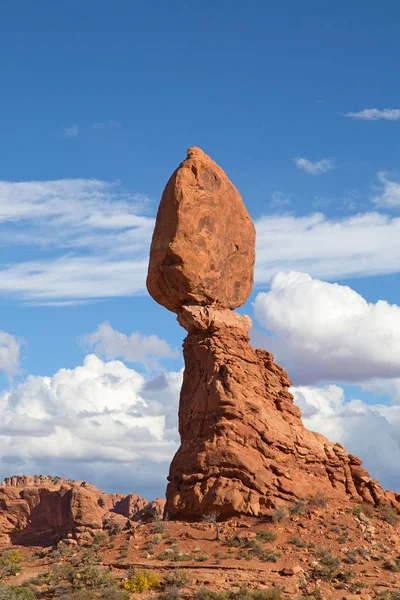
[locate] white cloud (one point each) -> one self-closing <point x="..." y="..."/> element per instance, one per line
<point x="10" y="348"/>
<point x="375" y="114"/>
<point x="372" y="432"/>
<point x="390" y="194"/>
<point x="323" y="331"/>
<point x="314" y="168"/>
<point x="78" y="240"/>
<point x="93" y="238"/>
<point x="359" y="245"/>
<point x="98" y="420"/>
<point x="73" y="131"/>
<point x="133" y="348"/>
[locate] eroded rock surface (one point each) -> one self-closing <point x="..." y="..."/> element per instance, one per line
<point x="38" y="510"/>
<point x="202" y="250"/>
<point x="244" y="448"/>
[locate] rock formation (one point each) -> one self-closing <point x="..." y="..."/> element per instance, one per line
<point x="37" y="510"/>
<point x="244" y="448"/>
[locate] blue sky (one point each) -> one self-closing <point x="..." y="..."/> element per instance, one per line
<point x="298" y="102"/>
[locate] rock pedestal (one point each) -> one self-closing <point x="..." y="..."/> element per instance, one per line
<point x="244" y="448"/>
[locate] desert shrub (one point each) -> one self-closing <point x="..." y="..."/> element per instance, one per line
<point x="296" y="541"/>
<point x="101" y="539"/>
<point x="205" y="594"/>
<point x="278" y="514"/>
<point x="202" y="557"/>
<point x="114" y="595"/>
<point x="174" y="554"/>
<point x="140" y="581"/>
<point x="388" y="514"/>
<point x="269" y="556"/>
<point x="16" y="592"/>
<point x="318" y="500"/>
<point x="392" y="564"/>
<point x="328" y="566"/>
<point x="273" y="593"/>
<point x="266" y="536"/>
<point x="11" y="562"/>
<point x="235" y="541"/>
<point x="158" y="525"/>
<point x="82" y="573"/>
<point x="157" y="539"/>
<point x="345" y="575"/>
<point x="299" y="507"/>
<point x="171" y="592"/>
<point x="212" y="518"/>
<point x="351" y="557"/>
<point x="178" y="577"/>
<point x="366" y="507"/>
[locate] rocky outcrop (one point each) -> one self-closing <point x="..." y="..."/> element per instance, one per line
<point x="37" y="510"/>
<point x="202" y="250"/>
<point x="244" y="448"/>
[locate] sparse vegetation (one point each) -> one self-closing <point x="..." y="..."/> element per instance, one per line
<point x="16" y="592"/>
<point x="318" y="500"/>
<point x="392" y="564"/>
<point x="296" y="541"/>
<point x="141" y="581"/>
<point x="212" y="518"/>
<point x="388" y="514"/>
<point x="266" y="536"/>
<point x="11" y="562"/>
<point x="178" y="577"/>
<point x="366" y="508"/>
<point x="175" y="554"/>
<point x="279" y="514"/>
<point x="299" y="507"/>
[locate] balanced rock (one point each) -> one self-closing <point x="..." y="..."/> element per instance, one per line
<point x="244" y="448"/>
<point x="202" y="250"/>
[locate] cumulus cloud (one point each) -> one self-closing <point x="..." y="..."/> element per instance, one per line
<point x="136" y="347"/>
<point x="372" y="432"/>
<point x="324" y="331"/>
<point x="314" y="168"/>
<point x="98" y="420"/>
<point x="375" y="114"/>
<point x="390" y="193"/>
<point x="10" y="348"/>
<point x="359" y="245"/>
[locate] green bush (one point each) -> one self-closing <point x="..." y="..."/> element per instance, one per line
<point x="11" y="562"/>
<point x="388" y="514"/>
<point x="178" y="577"/>
<point x="17" y="592"/>
<point x="296" y="541"/>
<point x="366" y="507"/>
<point x="266" y="536"/>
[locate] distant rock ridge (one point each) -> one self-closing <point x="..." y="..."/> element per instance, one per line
<point x="244" y="448"/>
<point x="42" y="510"/>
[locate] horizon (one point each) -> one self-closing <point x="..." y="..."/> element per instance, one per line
<point x="99" y="106"/>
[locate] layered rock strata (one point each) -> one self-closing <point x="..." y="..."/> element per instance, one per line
<point x="244" y="448"/>
<point x="37" y="510"/>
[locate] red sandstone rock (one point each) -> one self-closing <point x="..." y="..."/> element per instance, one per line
<point x="202" y="250"/>
<point x="244" y="448"/>
<point x="43" y="510"/>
